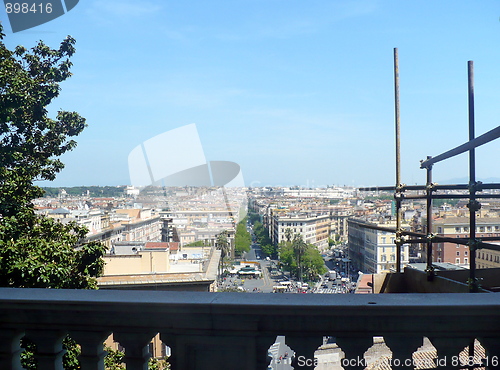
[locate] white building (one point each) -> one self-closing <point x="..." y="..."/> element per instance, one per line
<point x="314" y="228"/>
<point x="374" y="251"/>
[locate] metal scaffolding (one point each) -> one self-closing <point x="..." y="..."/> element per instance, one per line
<point x="474" y="187"/>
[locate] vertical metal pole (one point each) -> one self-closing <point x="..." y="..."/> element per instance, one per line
<point x="398" y="163"/>
<point x="429" y="269"/>
<point x="396" y="106"/>
<point x="473" y="204"/>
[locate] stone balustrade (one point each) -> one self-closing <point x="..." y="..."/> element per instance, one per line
<point x="235" y="330"/>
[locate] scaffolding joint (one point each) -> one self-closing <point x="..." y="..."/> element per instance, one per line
<point x="474" y="284"/>
<point x="424" y="165"/>
<point x="475" y="186"/>
<point x="474" y="205"/>
<point x="401" y="188"/>
<point x="474" y="244"/>
<point x="430" y="273"/>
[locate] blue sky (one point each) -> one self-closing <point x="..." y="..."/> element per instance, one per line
<point x="296" y="92"/>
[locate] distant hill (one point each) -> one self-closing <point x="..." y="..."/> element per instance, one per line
<point x="93" y="191"/>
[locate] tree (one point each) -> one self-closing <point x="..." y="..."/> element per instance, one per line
<point x="313" y="263"/>
<point x="299" y="248"/>
<point x="253" y="217"/>
<point x="301" y="259"/>
<point x="242" y="239"/>
<point x="287" y="257"/>
<point x="36" y="251"/>
<point x="223" y="244"/>
<point x="262" y="236"/>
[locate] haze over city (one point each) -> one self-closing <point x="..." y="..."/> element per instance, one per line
<point x="295" y="92"/>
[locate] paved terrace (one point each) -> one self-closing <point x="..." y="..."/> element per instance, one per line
<point x="233" y="330"/>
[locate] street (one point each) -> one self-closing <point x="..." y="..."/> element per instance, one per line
<point x="273" y="280"/>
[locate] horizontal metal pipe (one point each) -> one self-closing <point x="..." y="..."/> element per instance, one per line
<point x="452" y="196"/>
<point x="436" y="187"/>
<point x="435" y="238"/>
<point x="416" y="241"/>
<point x="474" y="143"/>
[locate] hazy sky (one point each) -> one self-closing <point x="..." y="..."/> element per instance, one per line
<point x="296" y="92"/>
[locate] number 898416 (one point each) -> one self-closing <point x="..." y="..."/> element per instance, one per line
<point x="28" y="8"/>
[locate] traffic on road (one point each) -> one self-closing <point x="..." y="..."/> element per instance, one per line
<point x="270" y="278"/>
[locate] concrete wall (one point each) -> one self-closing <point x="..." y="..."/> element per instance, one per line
<point x="415" y="281"/>
<point x="198" y="286"/>
<point x="141" y="263"/>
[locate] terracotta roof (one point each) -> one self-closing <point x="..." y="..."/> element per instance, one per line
<point x="363" y="287"/>
<point x="173" y="246"/>
<point x="156" y="245"/>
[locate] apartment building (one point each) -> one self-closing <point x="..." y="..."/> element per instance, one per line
<point x="458" y="227"/>
<point x="314" y="228"/>
<point x="373" y="251"/>
<point x="339" y="217"/>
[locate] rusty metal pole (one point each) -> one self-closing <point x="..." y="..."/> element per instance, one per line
<point x="473" y="205"/>
<point x="398" y="163"/>
<point x="429" y="269"/>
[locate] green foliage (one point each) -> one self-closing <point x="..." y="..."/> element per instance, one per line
<point x="301" y="259"/>
<point x="439" y="202"/>
<point x="94" y="191"/>
<point x="335" y="241"/>
<point x="380" y="197"/>
<point x="198" y="243"/>
<point x="36" y="251"/>
<point x="313" y="263"/>
<point x="158" y="364"/>
<point x="114" y="359"/>
<point x="287" y="257"/>
<point x="39" y="252"/>
<point x="223" y="244"/>
<point x="70" y="358"/>
<point x="253" y="217"/>
<point x="30" y="141"/>
<point x="262" y="236"/>
<point x="242" y="240"/>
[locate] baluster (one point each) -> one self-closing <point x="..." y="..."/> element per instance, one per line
<point x="176" y="350"/>
<point x="402" y="348"/>
<point x="49" y="349"/>
<point x="10" y="349"/>
<point x="136" y="349"/>
<point x="215" y="352"/>
<point x="304" y="347"/>
<point x="354" y="349"/>
<point x="92" y="346"/>
<point x="492" y="347"/>
<point x="262" y="345"/>
<point x="448" y="350"/>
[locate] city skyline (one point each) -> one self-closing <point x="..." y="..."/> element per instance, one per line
<point x="296" y="93"/>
